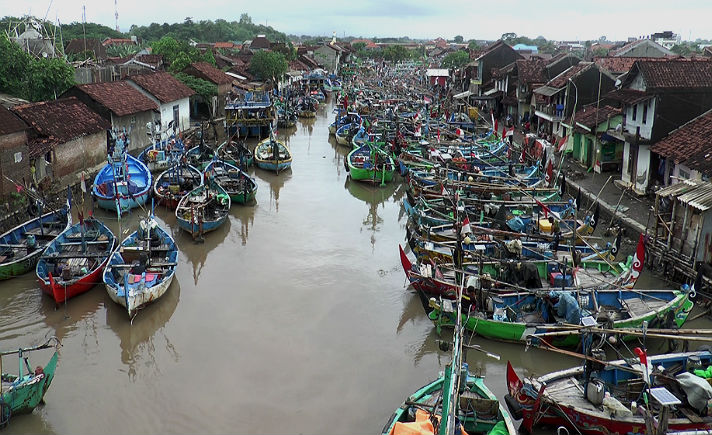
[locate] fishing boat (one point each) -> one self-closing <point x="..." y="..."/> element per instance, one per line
<point x="203" y="210"/>
<point x="345" y="133"/>
<point x="250" y="115"/>
<point x="273" y="155"/>
<point x="286" y="117"/>
<point x="73" y="263"/>
<point x="306" y="108"/>
<point x="646" y="395"/>
<point x="21" y="393"/>
<point x="241" y="187"/>
<point x="124" y="182"/>
<point x="199" y="156"/>
<point x="162" y="154"/>
<point x="369" y="163"/>
<point x="174" y="183"/>
<point x="457" y="402"/>
<point x="21" y="247"/>
<point x="142" y="268"/>
<point x="236" y="153"/>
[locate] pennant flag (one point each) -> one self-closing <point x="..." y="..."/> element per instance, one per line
<point x="594" y="218"/>
<point x="562" y="187"/>
<point x="549" y="172"/>
<point x="510" y="132"/>
<point x="562" y="143"/>
<point x="577" y="201"/>
<point x="616" y="244"/>
<point x="466" y="226"/>
<point x="643" y="356"/>
<point x="460" y="133"/>
<point x="438" y="135"/>
<point x="84" y="184"/>
<point x="523" y="156"/>
<point x="638" y="259"/>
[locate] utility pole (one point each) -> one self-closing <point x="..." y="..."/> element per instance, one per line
<point x="116" y="14"/>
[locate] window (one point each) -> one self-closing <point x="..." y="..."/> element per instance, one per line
<point x="18" y="157"/>
<point x="684" y="174"/>
<point x="133" y="120"/>
<point x="176" y="117"/>
<point x="645" y="112"/>
<point x="635" y="111"/>
<point x="48" y="157"/>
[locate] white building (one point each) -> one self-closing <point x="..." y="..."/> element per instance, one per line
<point x="171" y="95"/>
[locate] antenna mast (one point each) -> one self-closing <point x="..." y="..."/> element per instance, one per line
<point x="116" y="14"/>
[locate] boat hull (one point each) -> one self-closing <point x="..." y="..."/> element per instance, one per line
<point x="138" y="299"/>
<point x="125" y="204"/>
<point x="273" y="165"/>
<point x="24" y="397"/>
<point x="61" y="293"/>
<point x="195" y="228"/>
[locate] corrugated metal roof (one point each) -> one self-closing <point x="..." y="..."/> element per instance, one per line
<point x="547" y="90"/>
<point x="677" y="188"/>
<point x="699" y="197"/>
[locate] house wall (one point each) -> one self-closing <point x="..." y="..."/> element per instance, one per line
<point x="10" y="145"/>
<point x="75" y="156"/>
<point x="327" y="57"/>
<point x="682" y="172"/>
<point x="642" y="175"/>
<point x="625" y="174"/>
<point x="644" y="50"/>
<point x="166" y="110"/>
<point x="136" y="126"/>
<point x="645" y="123"/>
<point x="499" y="57"/>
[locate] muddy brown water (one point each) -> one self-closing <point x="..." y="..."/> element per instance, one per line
<point x="291" y="318"/>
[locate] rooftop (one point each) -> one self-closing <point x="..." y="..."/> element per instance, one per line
<point x="9" y="123"/>
<point x="690" y="144"/>
<point x="163" y="86"/>
<point x="210" y="73"/>
<point x="119" y="97"/>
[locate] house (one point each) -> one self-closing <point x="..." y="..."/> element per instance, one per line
<point x="205" y="71"/>
<point x="122" y="105"/>
<point x="92" y="45"/>
<point x="658" y="96"/>
<point x="171" y="95"/>
<point x="495" y="56"/>
<point x="667" y="39"/>
<point x="688" y="148"/>
<point x="65" y="137"/>
<point x="641" y="48"/>
<point x="329" y="56"/>
<point x="437" y="76"/>
<point x="577" y="86"/>
<point x="592" y="145"/>
<point x="260" y="43"/>
<point x="14" y="152"/>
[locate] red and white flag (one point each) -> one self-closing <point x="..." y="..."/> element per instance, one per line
<point x="562" y="143"/>
<point x="417" y="130"/>
<point x="459" y="132"/>
<point x="549" y="172"/>
<point x="510" y="132"/>
<point x="466" y="226"/>
<point x="438" y="135"/>
<point x="495" y="127"/>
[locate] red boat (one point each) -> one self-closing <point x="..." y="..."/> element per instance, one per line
<point x="608" y="397"/>
<point x="74" y="262"/>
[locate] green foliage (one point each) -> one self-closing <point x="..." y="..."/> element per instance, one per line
<point x="168" y="47"/>
<point x="23" y="76"/>
<point x="76" y="30"/>
<point x="208" y="31"/>
<point x="359" y="46"/>
<point x="49" y="78"/>
<point x="268" y="65"/>
<point x="180" y="62"/>
<point x="456" y="59"/>
<point x="473" y="45"/>
<point x="600" y="52"/>
<point x="288" y="50"/>
<point x="683" y="49"/>
<point x="208" y="57"/>
<point x="459" y="39"/>
<point x="123" y="50"/>
<point x="202" y="87"/>
<point x="396" y="53"/>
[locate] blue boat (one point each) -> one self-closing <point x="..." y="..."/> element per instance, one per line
<point x="124" y="182"/>
<point x="273" y="155"/>
<point x="162" y="154"/>
<point x="143" y="267"/>
<point x="203" y="210"/>
<point x="250" y="115"/>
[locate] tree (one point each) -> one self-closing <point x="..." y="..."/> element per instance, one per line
<point x="396" y="53"/>
<point x="208" y="57"/>
<point x="204" y="88"/>
<point x="358" y="46"/>
<point x="458" y="39"/>
<point x="456" y="59"/>
<point x="245" y="19"/>
<point x="268" y="65"/>
<point x="48" y="78"/>
<point x="473" y="45"/>
<point x="13" y="66"/>
<point x="168" y="47"/>
<point x="681" y="49"/>
<point x="180" y="62"/>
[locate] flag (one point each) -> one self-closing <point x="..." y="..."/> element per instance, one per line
<point x="460" y="133"/>
<point x="549" y="172"/>
<point x="616" y="244"/>
<point x="594" y="218"/>
<point x="438" y="135"/>
<point x="18" y="188"/>
<point x="544" y="208"/>
<point x="417" y="130"/>
<point x="643" y="356"/>
<point x="523" y="156"/>
<point x="577" y="201"/>
<point x="562" y="187"/>
<point x="495" y="126"/>
<point x="466" y="226"/>
<point x="84" y="184"/>
<point x="638" y="259"/>
<point x="562" y="143"/>
<point x="510" y="132"/>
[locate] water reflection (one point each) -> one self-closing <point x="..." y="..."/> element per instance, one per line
<point x="197" y="252"/>
<point x="77" y="314"/>
<point x="141" y="339"/>
<point x="306" y="125"/>
<point x="245" y="217"/>
<point x="276" y="183"/>
<point x="373" y="196"/>
<point x="286" y="134"/>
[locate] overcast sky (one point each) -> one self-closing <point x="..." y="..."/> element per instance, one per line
<point x="553" y="19"/>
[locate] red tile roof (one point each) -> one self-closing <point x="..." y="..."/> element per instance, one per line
<point x="163" y="86"/>
<point x="9" y="123"/>
<point x="76" y="46"/>
<point x="260" y="42"/>
<point x="210" y="73"/>
<point x="616" y="65"/>
<point x="118" y="41"/>
<point x="560" y="80"/>
<point x="690" y="144"/>
<point x="224" y="45"/>
<point x="591" y="116"/>
<point x="531" y="71"/>
<point x="628" y="96"/>
<point x="119" y="97"/>
<point x="678" y="73"/>
<point x="62" y="120"/>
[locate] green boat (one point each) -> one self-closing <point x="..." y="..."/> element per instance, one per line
<point x="236" y="153"/>
<point x="368" y="163"/>
<point x="20" y="248"/>
<point x="519" y="317"/>
<point x="239" y="186"/>
<point x="22" y="393"/>
<point x="456" y="402"/>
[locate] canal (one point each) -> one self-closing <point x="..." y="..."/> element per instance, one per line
<point x="291" y="318"/>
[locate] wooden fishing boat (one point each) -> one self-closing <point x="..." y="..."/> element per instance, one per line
<point x="273" y="155"/>
<point x="162" y="154"/>
<point x="73" y="263"/>
<point x="576" y="398"/>
<point x="174" y="183"/>
<point x="21" y="247"/>
<point x="306" y="108"/>
<point x="251" y="114"/>
<point x="124" y="182"/>
<point x="369" y="163"/>
<point x="345" y="133"/>
<point x="457" y="402"/>
<point x="203" y="210"/>
<point x="21" y="393"/>
<point x="142" y="268"/>
<point x="241" y="187"/>
<point x="199" y="156"/>
<point x="236" y="153"/>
